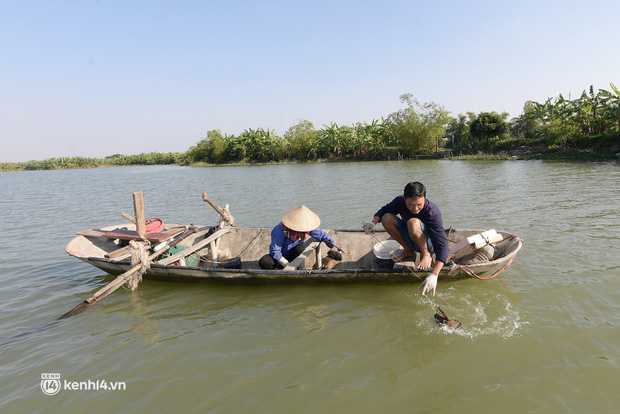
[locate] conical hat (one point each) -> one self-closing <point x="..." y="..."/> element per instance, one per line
<point x="301" y="219"/>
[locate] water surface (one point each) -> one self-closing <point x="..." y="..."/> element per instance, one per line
<point x="541" y="337"/>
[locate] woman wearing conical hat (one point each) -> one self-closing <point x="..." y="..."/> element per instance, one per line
<point x="288" y="236"/>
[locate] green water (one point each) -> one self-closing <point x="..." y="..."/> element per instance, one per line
<point x="542" y="337"/>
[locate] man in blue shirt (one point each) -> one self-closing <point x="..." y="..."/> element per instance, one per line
<point x="418" y="229"/>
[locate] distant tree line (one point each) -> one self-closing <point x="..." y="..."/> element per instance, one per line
<point x="413" y="131"/>
<point x="153" y="158"/>
<point x="419" y="129"/>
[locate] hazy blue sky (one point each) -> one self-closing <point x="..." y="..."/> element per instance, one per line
<point x="95" y="78"/>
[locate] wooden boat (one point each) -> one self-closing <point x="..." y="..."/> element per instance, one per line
<point x="230" y="255"/>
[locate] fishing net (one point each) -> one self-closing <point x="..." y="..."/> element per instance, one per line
<point x="139" y="255"/>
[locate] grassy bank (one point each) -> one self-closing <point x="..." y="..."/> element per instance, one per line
<point x="575" y="155"/>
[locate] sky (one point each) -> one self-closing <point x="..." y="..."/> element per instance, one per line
<point x="97" y="78"/>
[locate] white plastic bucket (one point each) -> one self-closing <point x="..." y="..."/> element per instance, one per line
<point x="385" y="251"/>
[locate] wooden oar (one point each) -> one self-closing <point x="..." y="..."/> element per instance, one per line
<point x="123" y="278"/>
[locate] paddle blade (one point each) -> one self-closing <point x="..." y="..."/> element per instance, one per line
<point x="78" y="309"/>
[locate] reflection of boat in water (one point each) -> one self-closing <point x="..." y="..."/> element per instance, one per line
<point x="231" y="254"/>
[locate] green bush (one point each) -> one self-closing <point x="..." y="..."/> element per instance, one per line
<point x="506" y="144"/>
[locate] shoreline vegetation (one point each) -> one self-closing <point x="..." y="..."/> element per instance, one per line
<point x="586" y="128"/>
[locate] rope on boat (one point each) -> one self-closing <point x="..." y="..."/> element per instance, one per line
<point x="139" y="255"/>
<point x="250" y="244"/>
<point x="473" y="274"/>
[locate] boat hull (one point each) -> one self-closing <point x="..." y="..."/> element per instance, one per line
<point x="359" y="265"/>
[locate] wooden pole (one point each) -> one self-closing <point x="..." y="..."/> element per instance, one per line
<point x="225" y="215"/>
<point x="128" y="217"/>
<point x="138" y="206"/>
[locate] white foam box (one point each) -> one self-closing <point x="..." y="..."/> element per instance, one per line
<point x="475" y="242"/>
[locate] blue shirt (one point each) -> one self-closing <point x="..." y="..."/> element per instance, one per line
<point x="429" y="215"/>
<point x="282" y="245"/>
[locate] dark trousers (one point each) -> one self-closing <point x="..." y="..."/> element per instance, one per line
<point x="267" y="262"/>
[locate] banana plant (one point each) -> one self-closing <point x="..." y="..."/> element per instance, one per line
<point x="612" y="108"/>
